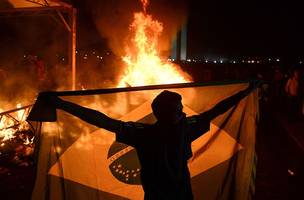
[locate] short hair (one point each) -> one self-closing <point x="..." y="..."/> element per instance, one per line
<point x="162" y="104"/>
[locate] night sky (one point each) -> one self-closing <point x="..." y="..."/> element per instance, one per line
<point x="250" y="27"/>
<point x="216" y="27"/>
<point x="241" y="28"/>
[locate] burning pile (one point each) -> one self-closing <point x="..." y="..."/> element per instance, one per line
<point x="144" y="64"/>
<point x="16" y="137"/>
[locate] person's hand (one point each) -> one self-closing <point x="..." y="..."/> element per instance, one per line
<point x="44" y="109"/>
<point x="48" y="97"/>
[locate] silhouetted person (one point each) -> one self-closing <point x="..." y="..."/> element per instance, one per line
<point x="164" y="147"/>
<point x="294" y="93"/>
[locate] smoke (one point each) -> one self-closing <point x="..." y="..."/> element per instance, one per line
<point x="39" y="36"/>
<point x="113" y="18"/>
<point x="47" y="38"/>
<point x="173" y="15"/>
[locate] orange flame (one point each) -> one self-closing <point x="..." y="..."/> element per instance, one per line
<point x="144" y="65"/>
<point x="6" y="134"/>
<point x="144" y="4"/>
<point x="12" y="123"/>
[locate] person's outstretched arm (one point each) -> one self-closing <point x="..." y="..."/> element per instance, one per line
<point x="86" y="114"/>
<point x="226" y="104"/>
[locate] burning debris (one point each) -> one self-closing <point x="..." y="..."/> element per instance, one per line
<point x="16" y="137"/>
<point x="144" y="66"/>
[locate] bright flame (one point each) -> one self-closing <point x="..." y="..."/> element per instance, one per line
<point x="27" y="141"/>
<point x="20" y="113"/>
<point x="144" y="4"/>
<point x="12" y="123"/>
<point x="6" y="134"/>
<point x="144" y="65"/>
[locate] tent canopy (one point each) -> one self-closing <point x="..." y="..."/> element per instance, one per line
<point x="17" y="8"/>
<point x="31" y="7"/>
<point x="36" y="3"/>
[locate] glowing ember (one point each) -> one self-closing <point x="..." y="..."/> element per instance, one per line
<point x="11" y="123"/>
<point x="5" y="132"/>
<point x="145" y="4"/>
<point x="144" y="65"/>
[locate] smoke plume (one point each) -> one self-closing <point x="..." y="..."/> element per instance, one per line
<point x="112" y="19"/>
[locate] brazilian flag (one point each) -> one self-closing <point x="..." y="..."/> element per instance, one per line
<point x="78" y="161"/>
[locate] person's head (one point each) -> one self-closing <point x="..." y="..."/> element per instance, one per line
<point x="167" y="107"/>
<point x="296" y="74"/>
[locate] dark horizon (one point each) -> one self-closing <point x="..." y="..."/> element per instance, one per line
<point x="221" y="28"/>
<point x="237" y="28"/>
<point x="255" y="28"/>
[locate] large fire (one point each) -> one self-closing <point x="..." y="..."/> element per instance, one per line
<point x="16" y="138"/>
<point x="11" y="123"/>
<point x="144" y="64"/>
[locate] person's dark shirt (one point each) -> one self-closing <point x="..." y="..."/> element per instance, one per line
<point x="163" y="151"/>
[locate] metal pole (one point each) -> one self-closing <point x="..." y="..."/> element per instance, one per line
<point x="74" y="49"/>
<point x="72" y="45"/>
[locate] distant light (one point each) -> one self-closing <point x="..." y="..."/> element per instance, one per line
<point x="278" y="60"/>
<point x="291" y="173"/>
<point x="94" y="52"/>
<point x="85" y="57"/>
<point x="76" y="51"/>
<point x="252" y="61"/>
<point x="249" y="61"/>
<point x="214" y="61"/>
<point x="233" y="62"/>
<point x="108" y="53"/>
<point x="221" y="61"/>
<point x="24" y="56"/>
<point x="63" y="59"/>
<point x="301" y="62"/>
<point x="97" y="56"/>
<point x="173" y="59"/>
<point x="269" y="59"/>
<point x="101" y="57"/>
<point x="206" y="61"/>
<point x="188" y="60"/>
<point x="243" y="61"/>
<point x="258" y="61"/>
